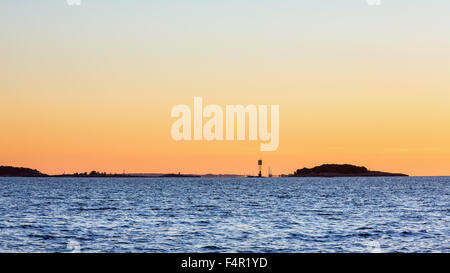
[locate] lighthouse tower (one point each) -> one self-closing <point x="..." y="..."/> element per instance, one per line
<point x="260" y="166"/>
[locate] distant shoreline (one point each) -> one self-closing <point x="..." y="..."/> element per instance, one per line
<point x="325" y="170"/>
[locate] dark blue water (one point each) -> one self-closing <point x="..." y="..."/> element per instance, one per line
<point x="225" y="215"/>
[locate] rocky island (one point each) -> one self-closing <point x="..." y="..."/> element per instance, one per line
<point x="339" y="170"/>
<point x="20" y="172"/>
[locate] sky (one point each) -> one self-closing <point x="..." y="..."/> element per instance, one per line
<point x="92" y="86"/>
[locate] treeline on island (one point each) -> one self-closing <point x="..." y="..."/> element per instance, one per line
<point x="20" y="172"/>
<point x="10" y="171"/>
<point x="339" y="170"/>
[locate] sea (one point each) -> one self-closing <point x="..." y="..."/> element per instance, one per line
<point x="371" y="214"/>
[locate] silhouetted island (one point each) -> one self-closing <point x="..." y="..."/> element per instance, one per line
<point x="8" y="171"/>
<point x="179" y="175"/>
<point x="93" y="174"/>
<point x="20" y="172"/>
<point x="339" y="170"/>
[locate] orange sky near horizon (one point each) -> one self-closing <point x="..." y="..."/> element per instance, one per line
<point x="91" y="88"/>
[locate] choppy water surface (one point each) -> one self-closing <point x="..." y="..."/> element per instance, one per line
<point x="225" y="215"/>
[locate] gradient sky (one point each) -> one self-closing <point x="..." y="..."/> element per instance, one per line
<point x="91" y="86"/>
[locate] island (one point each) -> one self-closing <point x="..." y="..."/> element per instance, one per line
<point x="339" y="170"/>
<point x="10" y="171"/>
<point x="179" y="175"/>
